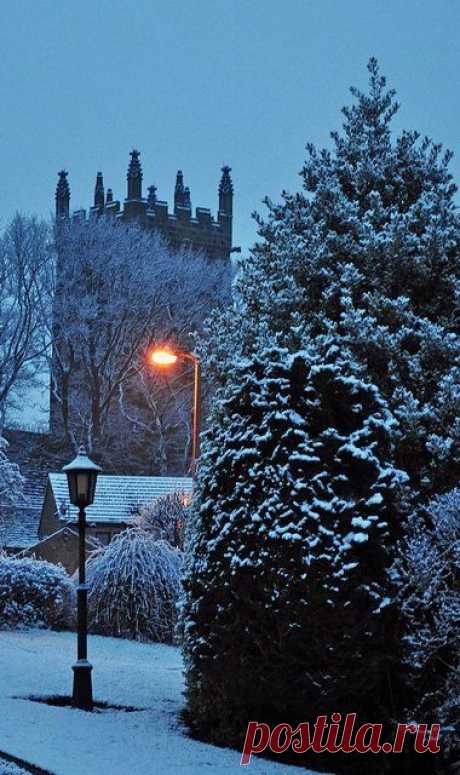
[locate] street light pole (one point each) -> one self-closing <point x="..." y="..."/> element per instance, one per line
<point x="82" y="476"/>
<point x="164" y="357"/>
<point x="82" y="683"/>
<point x="196" y="413"/>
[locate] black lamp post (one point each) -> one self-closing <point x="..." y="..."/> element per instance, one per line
<point x="82" y="477"/>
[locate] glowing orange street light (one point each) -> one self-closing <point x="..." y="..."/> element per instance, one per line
<point x="163" y="357"/>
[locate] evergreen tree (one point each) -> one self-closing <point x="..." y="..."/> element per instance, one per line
<point x="368" y="252"/>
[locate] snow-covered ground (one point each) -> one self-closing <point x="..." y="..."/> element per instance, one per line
<point x="72" y="742"/>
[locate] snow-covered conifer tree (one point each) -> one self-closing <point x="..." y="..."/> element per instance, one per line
<point x="369" y="252"/>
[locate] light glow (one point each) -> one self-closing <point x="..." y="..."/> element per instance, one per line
<point x="163" y="357"/>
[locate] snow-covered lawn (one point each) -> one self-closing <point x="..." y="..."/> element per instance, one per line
<point x="72" y="742"/>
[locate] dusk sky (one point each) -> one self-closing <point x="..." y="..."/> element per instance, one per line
<point x="196" y="84"/>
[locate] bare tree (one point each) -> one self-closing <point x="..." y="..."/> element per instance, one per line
<point x="25" y="283"/>
<point x="119" y="288"/>
<point x="162" y="416"/>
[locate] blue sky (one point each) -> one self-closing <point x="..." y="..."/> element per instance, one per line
<point x="196" y="84"/>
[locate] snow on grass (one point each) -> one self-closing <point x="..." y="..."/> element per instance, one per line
<point x="71" y="742"/>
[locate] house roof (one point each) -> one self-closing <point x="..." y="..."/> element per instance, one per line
<point x="117" y="497"/>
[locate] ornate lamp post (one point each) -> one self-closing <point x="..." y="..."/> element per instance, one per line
<point x="81" y="478"/>
<point x="164" y="357"/>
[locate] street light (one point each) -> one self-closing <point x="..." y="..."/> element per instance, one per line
<point x="164" y="357"/>
<point x="82" y="476"/>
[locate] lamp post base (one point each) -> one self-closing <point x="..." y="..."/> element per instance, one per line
<point x="82" y="685"/>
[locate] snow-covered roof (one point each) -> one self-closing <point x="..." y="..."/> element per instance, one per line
<point x="117" y="497"/>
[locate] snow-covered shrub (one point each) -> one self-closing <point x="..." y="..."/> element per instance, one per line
<point x="34" y="593"/>
<point x="429" y="573"/>
<point x="135" y="583"/>
<point x="288" y="610"/>
<point x="166" y="518"/>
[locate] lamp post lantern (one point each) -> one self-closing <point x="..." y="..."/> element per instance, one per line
<point x="165" y="357"/>
<point x="82" y="476"/>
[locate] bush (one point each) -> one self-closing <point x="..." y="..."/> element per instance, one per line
<point x="135" y="584"/>
<point x="166" y="518"/>
<point x="34" y="593"/>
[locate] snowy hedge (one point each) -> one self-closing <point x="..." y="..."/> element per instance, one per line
<point x="34" y="593"/>
<point x="135" y="583"/>
<point x="288" y="610"/>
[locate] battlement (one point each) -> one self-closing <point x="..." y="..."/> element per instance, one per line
<point x="180" y="227"/>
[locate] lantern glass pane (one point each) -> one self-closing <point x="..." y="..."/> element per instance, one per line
<point x="82" y="486"/>
<point x="71" y="480"/>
